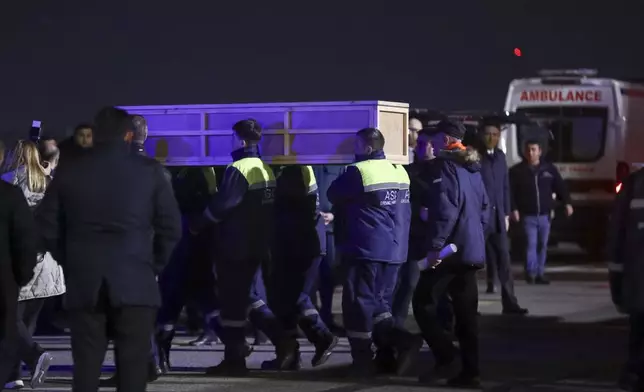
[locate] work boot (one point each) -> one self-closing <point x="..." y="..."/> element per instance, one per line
<point x="446" y="370"/>
<point x="541" y="280"/>
<point x="234" y="362"/>
<point x="385" y="362"/>
<point x="229" y="368"/>
<point x="323" y="350"/>
<point x="465" y="381"/>
<point x="164" y="344"/>
<point x="275" y="364"/>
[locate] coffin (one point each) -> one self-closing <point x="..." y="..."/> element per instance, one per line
<point x="293" y="133"/>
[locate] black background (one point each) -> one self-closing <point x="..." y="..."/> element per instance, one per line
<point x="61" y="60"/>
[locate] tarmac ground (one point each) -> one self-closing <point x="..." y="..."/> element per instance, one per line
<point x="572" y="340"/>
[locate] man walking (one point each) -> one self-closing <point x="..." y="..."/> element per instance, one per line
<point x="494" y="171"/>
<point x="112" y="221"/>
<point x="533" y="183"/>
<point x="457" y="213"/>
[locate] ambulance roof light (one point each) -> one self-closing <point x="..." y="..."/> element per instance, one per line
<point x="583" y="72"/>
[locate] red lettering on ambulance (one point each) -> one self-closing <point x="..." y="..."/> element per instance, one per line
<point x="561" y="96"/>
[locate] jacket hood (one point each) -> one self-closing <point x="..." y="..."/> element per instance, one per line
<point x="467" y="157"/>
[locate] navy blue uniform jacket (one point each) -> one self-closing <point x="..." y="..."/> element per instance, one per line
<point x="532" y="188"/>
<point x="494" y="171"/>
<point x="297" y="213"/>
<point x="243" y="207"/>
<point x="458" y="206"/>
<point x="365" y="200"/>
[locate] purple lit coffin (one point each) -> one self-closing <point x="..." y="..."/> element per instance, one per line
<point x="294" y="133"/>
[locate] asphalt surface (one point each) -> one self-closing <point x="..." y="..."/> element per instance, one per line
<point x="573" y="340"/>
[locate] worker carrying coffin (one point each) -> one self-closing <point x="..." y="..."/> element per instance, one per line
<point x="243" y="211"/>
<point x="366" y="195"/>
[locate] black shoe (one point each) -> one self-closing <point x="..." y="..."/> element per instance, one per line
<point x="408" y="353"/>
<point x="464" y="381"/>
<point x="515" y="310"/>
<point x="362" y="370"/>
<point x="154" y="371"/>
<point x="205" y="339"/>
<point x="324" y="350"/>
<point x="275" y="364"/>
<point x="229" y="368"/>
<point x="541" y="280"/>
<point x="490" y="288"/>
<point x="440" y="372"/>
<point x="164" y="344"/>
<point x="287" y="352"/>
<point x="385" y="362"/>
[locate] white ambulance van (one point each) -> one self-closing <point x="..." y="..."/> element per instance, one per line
<point x="596" y="138"/>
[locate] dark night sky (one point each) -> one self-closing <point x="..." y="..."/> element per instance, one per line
<point x="61" y="60"/>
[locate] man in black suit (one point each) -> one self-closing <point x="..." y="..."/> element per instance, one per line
<point x="494" y="171"/>
<point x="17" y="262"/>
<point x="112" y="221"/>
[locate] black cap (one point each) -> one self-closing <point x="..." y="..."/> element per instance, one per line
<point x="451" y="128"/>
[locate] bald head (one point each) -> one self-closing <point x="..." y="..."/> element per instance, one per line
<point x="414" y="127"/>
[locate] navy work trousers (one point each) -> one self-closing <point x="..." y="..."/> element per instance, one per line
<point x="327" y="280"/>
<point x="260" y="315"/>
<point x="243" y="295"/>
<point x="188" y="277"/>
<point x="296" y="278"/>
<point x="365" y="306"/>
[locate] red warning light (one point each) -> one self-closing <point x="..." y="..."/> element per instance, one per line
<point x="517" y="52"/>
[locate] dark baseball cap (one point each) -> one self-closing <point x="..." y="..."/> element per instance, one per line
<point x="451" y="128"/>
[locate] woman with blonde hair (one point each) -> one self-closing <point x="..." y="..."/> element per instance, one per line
<point x="32" y="173"/>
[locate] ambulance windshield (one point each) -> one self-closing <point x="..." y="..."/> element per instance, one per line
<point x="571" y="134"/>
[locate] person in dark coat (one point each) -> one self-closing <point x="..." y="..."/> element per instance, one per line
<point x="458" y="211"/>
<point x="532" y="184"/>
<point x="17" y="262"/>
<point x="325" y="175"/>
<point x="626" y="273"/>
<point x="112" y="221"/>
<point x="420" y="175"/>
<point x="494" y="171"/>
<point x="139" y="136"/>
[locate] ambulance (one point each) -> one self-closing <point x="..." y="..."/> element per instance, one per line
<point x="595" y="137"/>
